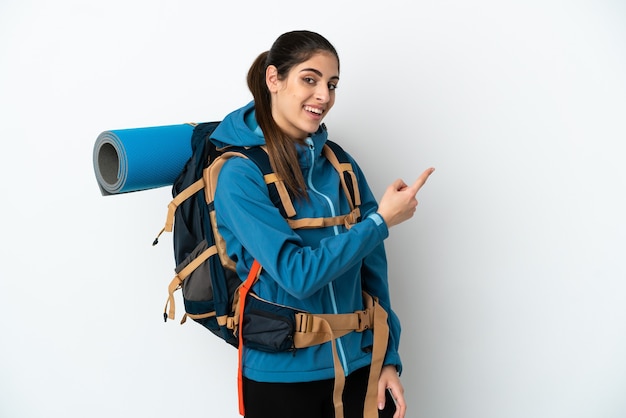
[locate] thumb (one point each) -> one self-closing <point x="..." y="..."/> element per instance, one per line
<point x="399" y="184"/>
<point x="380" y="401"/>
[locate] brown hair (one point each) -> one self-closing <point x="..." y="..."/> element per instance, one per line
<point x="289" y="49"/>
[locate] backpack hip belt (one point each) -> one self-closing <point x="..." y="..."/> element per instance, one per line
<point x="309" y="330"/>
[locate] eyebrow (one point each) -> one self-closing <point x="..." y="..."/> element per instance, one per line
<point x="319" y="73"/>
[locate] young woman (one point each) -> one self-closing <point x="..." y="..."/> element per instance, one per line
<point x="321" y="270"/>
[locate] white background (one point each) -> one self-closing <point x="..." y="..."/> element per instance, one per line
<point x="510" y="280"/>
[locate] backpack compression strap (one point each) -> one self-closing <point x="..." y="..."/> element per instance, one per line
<point x="175" y="203"/>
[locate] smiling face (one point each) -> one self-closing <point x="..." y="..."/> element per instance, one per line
<point x="301" y="100"/>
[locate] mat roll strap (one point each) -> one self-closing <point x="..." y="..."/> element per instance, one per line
<point x="129" y="160"/>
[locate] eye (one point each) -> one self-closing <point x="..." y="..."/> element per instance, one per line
<point x="332" y="86"/>
<point x="309" y="80"/>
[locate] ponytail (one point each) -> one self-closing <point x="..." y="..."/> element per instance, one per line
<point x="281" y="149"/>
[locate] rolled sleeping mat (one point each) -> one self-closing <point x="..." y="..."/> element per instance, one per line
<point x="129" y="160"/>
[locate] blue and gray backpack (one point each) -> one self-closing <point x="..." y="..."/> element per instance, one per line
<point x="212" y="292"/>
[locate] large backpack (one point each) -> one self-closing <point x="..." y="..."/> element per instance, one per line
<point x="213" y="294"/>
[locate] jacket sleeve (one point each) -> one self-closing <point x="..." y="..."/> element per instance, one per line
<point x="246" y="214"/>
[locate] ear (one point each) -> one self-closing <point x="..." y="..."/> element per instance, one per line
<point x="271" y="78"/>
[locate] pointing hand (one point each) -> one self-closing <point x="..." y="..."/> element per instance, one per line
<point x="399" y="202"/>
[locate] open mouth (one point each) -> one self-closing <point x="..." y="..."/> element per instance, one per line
<point x="314" y="110"/>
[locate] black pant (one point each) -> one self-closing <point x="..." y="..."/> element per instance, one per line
<point x="309" y="399"/>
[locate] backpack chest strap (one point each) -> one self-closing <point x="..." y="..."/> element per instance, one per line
<point x="311" y="223"/>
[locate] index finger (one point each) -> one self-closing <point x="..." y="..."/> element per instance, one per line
<point x="422" y="179"/>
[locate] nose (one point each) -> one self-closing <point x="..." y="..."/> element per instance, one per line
<point x="322" y="93"/>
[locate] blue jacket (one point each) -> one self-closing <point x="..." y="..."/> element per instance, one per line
<point x="317" y="270"/>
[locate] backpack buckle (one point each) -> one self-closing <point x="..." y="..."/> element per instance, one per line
<point x="304" y="322"/>
<point x="231" y="323"/>
<point x="352" y="218"/>
<point x="364" y="320"/>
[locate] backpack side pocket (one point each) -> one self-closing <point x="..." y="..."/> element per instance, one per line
<point x="267" y="326"/>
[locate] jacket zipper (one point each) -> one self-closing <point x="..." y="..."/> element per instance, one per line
<point x="331" y="287"/>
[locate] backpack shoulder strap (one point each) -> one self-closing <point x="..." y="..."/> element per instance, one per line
<point x="339" y="159"/>
<point x="279" y="195"/>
